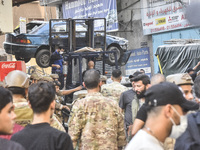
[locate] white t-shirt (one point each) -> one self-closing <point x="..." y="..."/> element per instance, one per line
<point x="144" y="141"/>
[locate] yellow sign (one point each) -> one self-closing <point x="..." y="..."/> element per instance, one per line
<point x="160" y="21"/>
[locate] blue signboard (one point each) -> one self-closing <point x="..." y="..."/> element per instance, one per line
<point x="78" y="9"/>
<point x="139" y="59"/>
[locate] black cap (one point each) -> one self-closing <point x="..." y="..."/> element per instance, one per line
<point x="168" y="93"/>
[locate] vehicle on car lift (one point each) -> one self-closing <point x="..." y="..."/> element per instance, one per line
<point x="35" y="43"/>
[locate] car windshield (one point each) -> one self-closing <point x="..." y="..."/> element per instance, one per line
<point x="29" y="27"/>
<point x="37" y="29"/>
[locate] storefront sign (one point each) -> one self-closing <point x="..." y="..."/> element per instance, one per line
<point x="163" y="15"/>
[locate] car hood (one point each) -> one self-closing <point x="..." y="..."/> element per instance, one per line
<point x="117" y="38"/>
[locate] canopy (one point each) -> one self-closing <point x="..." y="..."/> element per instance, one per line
<point x="178" y="58"/>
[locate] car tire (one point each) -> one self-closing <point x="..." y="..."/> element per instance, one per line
<point x="111" y="56"/>
<point x="43" y="58"/>
<point x="22" y="59"/>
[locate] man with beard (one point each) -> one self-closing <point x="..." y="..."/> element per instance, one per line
<point x="130" y="105"/>
<point x="141" y="84"/>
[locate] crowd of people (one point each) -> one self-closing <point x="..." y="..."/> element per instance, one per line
<point x="158" y="113"/>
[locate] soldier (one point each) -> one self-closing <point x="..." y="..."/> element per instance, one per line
<point x="19" y="88"/>
<point x="189" y="140"/>
<point x="46" y="78"/>
<point x="185" y="82"/>
<point x="114" y="89"/>
<point x="54" y="76"/>
<point x="7" y="117"/>
<point x="96" y="120"/>
<point x="103" y="79"/>
<point x="61" y="93"/>
<point x="35" y="77"/>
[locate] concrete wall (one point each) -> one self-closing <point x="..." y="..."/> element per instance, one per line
<point x="130" y="26"/>
<point x="33" y="11"/>
<point x="6" y="24"/>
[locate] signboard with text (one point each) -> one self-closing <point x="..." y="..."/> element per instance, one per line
<point x="163" y="15"/>
<point x="139" y="59"/>
<point x="79" y="9"/>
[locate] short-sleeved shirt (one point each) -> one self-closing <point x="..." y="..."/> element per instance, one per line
<point x="142" y="113"/>
<point x="125" y="103"/>
<point x="144" y="141"/>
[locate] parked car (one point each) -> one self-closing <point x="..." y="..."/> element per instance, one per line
<point x="35" y="43"/>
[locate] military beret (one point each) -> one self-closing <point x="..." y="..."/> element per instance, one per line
<point x="46" y="78"/>
<point x="54" y="76"/>
<point x="35" y="76"/>
<point x="180" y="79"/>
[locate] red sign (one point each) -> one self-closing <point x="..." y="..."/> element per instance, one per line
<point x="8" y="66"/>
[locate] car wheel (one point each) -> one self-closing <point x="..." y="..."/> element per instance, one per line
<point x="22" y="59"/>
<point x="43" y="58"/>
<point x="111" y="56"/>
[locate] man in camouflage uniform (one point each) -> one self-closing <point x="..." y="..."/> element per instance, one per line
<point x="96" y="122"/>
<point x="59" y="96"/>
<point x="103" y="79"/>
<point x="114" y="89"/>
<point x="19" y="88"/>
<point x="54" y="76"/>
<point x="35" y="77"/>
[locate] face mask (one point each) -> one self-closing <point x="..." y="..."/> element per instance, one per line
<point x="60" y="52"/>
<point x="177" y="130"/>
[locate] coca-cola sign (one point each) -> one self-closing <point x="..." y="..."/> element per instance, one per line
<point x="10" y="65"/>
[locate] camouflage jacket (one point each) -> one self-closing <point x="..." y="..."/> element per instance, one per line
<point x="113" y="90"/>
<point x="97" y="123"/>
<point x="56" y="123"/>
<point x="24" y="115"/>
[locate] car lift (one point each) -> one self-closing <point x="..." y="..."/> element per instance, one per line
<point x="71" y="44"/>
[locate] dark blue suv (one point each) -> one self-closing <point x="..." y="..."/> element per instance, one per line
<point x="35" y="44"/>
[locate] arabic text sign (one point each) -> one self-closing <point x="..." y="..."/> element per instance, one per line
<point x="139" y="59"/>
<point x="163" y="15"/>
<point x="78" y="9"/>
